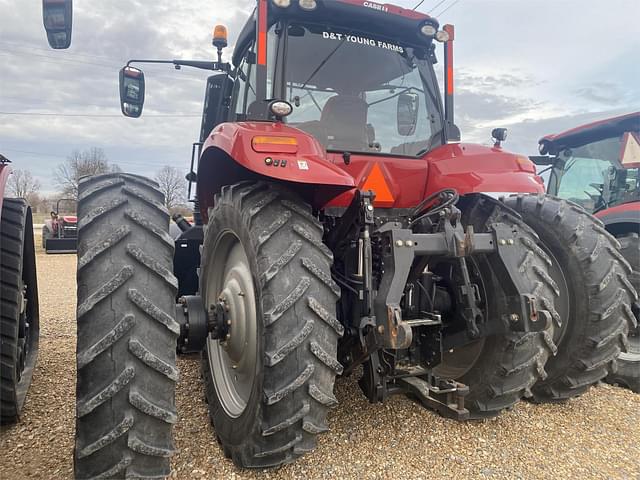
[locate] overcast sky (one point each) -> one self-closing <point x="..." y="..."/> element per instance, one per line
<point x="534" y="66"/>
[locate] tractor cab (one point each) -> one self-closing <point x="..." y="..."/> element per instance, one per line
<point x="368" y="86"/>
<point x="597" y="165"/>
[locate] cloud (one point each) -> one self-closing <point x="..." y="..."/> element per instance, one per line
<point x="517" y="65"/>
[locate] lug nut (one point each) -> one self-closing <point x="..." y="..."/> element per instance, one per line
<point x="502" y="242"/>
<point x="399" y="243"/>
<point x="511" y="241"/>
<point x="409" y="243"/>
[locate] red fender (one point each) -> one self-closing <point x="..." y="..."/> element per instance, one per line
<point x="228" y="157"/>
<point x="622" y="218"/>
<point x="473" y="168"/>
<point x="5" y="171"/>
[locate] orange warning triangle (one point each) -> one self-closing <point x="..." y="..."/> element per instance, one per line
<point x="376" y="182"/>
<point x="630" y="151"/>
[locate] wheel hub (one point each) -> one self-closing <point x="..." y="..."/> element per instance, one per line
<point x="218" y="321"/>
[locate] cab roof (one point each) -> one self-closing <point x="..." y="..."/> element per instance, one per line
<point x="593" y="132"/>
<point x="380" y="19"/>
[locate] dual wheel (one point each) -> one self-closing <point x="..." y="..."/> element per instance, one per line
<point x="594" y="324"/>
<point x="269" y="380"/>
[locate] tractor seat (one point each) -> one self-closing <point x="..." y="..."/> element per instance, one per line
<point x="344" y="118"/>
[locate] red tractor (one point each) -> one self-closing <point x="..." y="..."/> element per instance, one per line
<point x="19" y="315"/>
<point x="598" y="167"/>
<point x="60" y="232"/>
<point x="339" y="223"/>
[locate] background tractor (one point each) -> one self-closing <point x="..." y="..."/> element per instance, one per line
<point x="19" y="315"/>
<point x="339" y="223"/>
<point x="19" y="308"/>
<point x="598" y="167"/>
<point x="60" y="232"/>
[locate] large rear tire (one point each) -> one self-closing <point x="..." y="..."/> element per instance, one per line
<point x="269" y="385"/>
<point x="628" y="373"/>
<point x="126" y="353"/>
<point x="19" y="315"/>
<point x="594" y="324"/>
<point x="501" y="369"/>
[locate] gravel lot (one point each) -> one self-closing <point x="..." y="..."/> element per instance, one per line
<point x="596" y="436"/>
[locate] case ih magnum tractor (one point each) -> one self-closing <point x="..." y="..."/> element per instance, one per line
<point x="60" y="232"/>
<point x="339" y="224"/>
<point x="19" y="327"/>
<point x="598" y="167"/>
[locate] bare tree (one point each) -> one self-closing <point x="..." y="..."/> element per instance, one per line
<point x="172" y="185"/>
<point x="81" y="164"/>
<point x="22" y="184"/>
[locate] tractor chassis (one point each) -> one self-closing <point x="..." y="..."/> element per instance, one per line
<point x="386" y="250"/>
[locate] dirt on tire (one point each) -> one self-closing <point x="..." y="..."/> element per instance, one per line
<point x="127" y="333"/>
<point x="599" y="317"/>
<point x="297" y="326"/>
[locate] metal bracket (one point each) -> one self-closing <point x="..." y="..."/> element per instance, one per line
<point x="525" y="317"/>
<point x="444" y="396"/>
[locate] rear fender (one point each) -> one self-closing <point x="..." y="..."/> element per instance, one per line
<point x="229" y="157"/>
<point x="473" y="168"/>
<point x="621" y="219"/>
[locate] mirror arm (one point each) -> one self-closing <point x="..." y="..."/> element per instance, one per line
<point x="214" y="66"/>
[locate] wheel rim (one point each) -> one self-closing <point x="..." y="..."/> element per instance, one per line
<point x="455" y="363"/>
<point x="460" y="360"/>
<point x="23" y="332"/>
<point x="233" y="360"/>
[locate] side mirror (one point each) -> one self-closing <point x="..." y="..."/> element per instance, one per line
<point x="131" y="91"/>
<point x="408" y="108"/>
<point x="57" y="16"/>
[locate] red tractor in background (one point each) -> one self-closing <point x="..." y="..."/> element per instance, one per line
<point x="60" y="232"/>
<point x="598" y="167"/>
<point x="339" y="223"/>
<point x="19" y="313"/>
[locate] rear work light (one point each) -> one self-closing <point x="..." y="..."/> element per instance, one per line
<point x="428" y="30"/>
<point x="443" y="36"/>
<point x="308" y="4"/>
<point x="274" y="144"/>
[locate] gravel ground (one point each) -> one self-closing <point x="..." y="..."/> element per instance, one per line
<point x="596" y="436"/>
